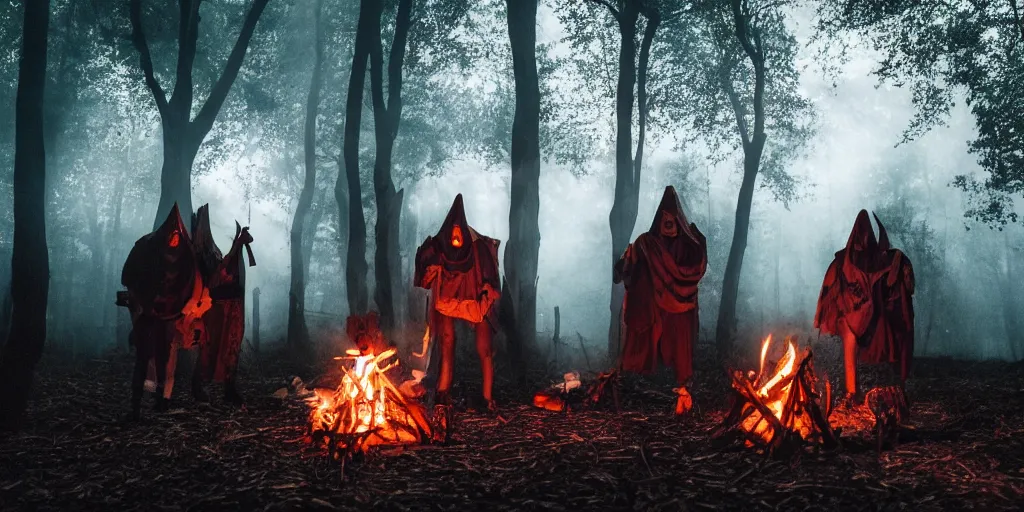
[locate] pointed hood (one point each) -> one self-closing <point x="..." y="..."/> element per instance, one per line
<point x="208" y="255"/>
<point x="160" y="269"/>
<point x="672" y="208"/>
<point x="883" y="236"/>
<point x="862" y="237"/>
<point x="455" y="236"/>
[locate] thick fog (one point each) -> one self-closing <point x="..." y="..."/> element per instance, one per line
<point x="104" y="186"/>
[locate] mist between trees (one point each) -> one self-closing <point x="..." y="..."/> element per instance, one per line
<point x="935" y="170"/>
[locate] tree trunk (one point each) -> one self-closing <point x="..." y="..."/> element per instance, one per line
<point x="30" y="268"/>
<point x="355" y="267"/>
<point x="523" y="247"/>
<point x="623" y="217"/>
<point x="298" y="334"/>
<point x="726" y="328"/>
<point x="387" y="118"/>
<point x="181" y="136"/>
<point x="341" y="197"/>
<point x="256" y="319"/>
<point x="753" y="147"/>
<point x="309" y="232"/>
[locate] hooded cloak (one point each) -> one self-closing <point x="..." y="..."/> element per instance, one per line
<point x="869" y="286"/>
<point x="208" y="255"/>
<point x="225" y="322"/>
<point x="460" y="267"/>
<point x="661" y="271"/>
<point x="160" y="272"/>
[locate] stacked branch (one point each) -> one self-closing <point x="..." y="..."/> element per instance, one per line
<point x="366" y="410"/>
<point x="784" y="410"/>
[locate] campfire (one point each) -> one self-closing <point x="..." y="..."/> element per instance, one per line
<point x="781" y="406"/>
<point x="366" y="409"/>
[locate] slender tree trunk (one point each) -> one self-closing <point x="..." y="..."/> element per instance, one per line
<point x="622" y="217"/>
<point x="387" y="118"/>
<point x="523" y="247"/>
<point x="341" y="197"/>
<point x="309" y="233"/>
<point x="356" y="267"/>
<point x="182" y="137"/>
<point x="753" y="147"/>
<point x="298" y="334"/>
<point x="30" y="267"/>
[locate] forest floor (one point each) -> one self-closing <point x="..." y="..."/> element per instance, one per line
<point x="966" y="452"/>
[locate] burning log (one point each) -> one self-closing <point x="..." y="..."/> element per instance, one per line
<point x="366" y="409"/>
<point x="560" y="396"/>
<point x="771" y="410"/>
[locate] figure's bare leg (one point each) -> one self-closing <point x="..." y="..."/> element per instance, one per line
<point x="446" y="335"/>
<point x="849" y="358"/>
<point x="143" y="352"/>
<point x="483" y="349"/>
<point x="163" y="354"/>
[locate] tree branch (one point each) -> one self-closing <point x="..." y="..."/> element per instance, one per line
<point x="606" y="3"/>
<point x="395" y="62"/>
<point x="737" y="108"/>
<point x="756" y="56"/>
<point x="145" y="61"/>
<point x="188" y="36"/>
<point x="1016" y="16"/>
<point x="204" y="121"/>
<point x="653" y="20"/>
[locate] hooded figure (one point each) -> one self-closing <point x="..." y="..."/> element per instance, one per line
<point x="166" y="299"/>
<point x="460" y="268"/>
<point x="867" y="299"/>
<point x="225" y="321"/>
<point x="661" y="271"/>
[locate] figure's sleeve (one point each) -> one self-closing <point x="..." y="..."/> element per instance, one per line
<point x="624" y="267"/>
<point x="827" y="314"/>
<point x="426" y="257"/>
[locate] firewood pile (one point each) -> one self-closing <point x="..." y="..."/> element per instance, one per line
<point x="780" y="409"/>
<point x="366" y="409"/>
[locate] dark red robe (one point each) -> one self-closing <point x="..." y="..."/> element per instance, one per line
<point x="460" y="268"/>
<point x="164" y="290"/>
<point x="464" y="281"/>
<point x="870" y="286"/>
<point x="661" y="274"/>
<point x="225" y="277"/>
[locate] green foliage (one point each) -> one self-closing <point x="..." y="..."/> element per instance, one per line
<point x="940" y="48"/>
<point x="704" y="64"/>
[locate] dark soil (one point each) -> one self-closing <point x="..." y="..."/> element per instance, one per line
<point x="965" y="451"/>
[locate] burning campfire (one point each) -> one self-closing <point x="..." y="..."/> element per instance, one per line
<point x="366" y="409"/>
<point x="782" y="406"/>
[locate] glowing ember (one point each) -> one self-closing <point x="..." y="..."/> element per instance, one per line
<point x="366" y="409"/>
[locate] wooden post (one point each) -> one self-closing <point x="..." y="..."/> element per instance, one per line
<point x="554" y="339"/>
<point x="256" y="319"/>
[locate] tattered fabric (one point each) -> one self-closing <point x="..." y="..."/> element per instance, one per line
<point x="660" y="311"/>
<point x="869" y="286"/>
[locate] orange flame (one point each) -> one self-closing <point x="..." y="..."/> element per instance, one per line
<point x="777" y="398"/>
<point x="367" y="402"/>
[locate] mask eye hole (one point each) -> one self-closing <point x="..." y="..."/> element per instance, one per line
<point x="456" y="237"/>
<point x="174" y="240"/>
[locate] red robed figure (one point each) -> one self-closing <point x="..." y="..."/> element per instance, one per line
<point x="661" y="271"/>
<point x="162" y="279"/>
<point x="225" y="321"/>
<point x="867" y="298"/>
<point x="460" y="268"/>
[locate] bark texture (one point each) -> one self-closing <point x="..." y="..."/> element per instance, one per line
<point x="30" y="267"/>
